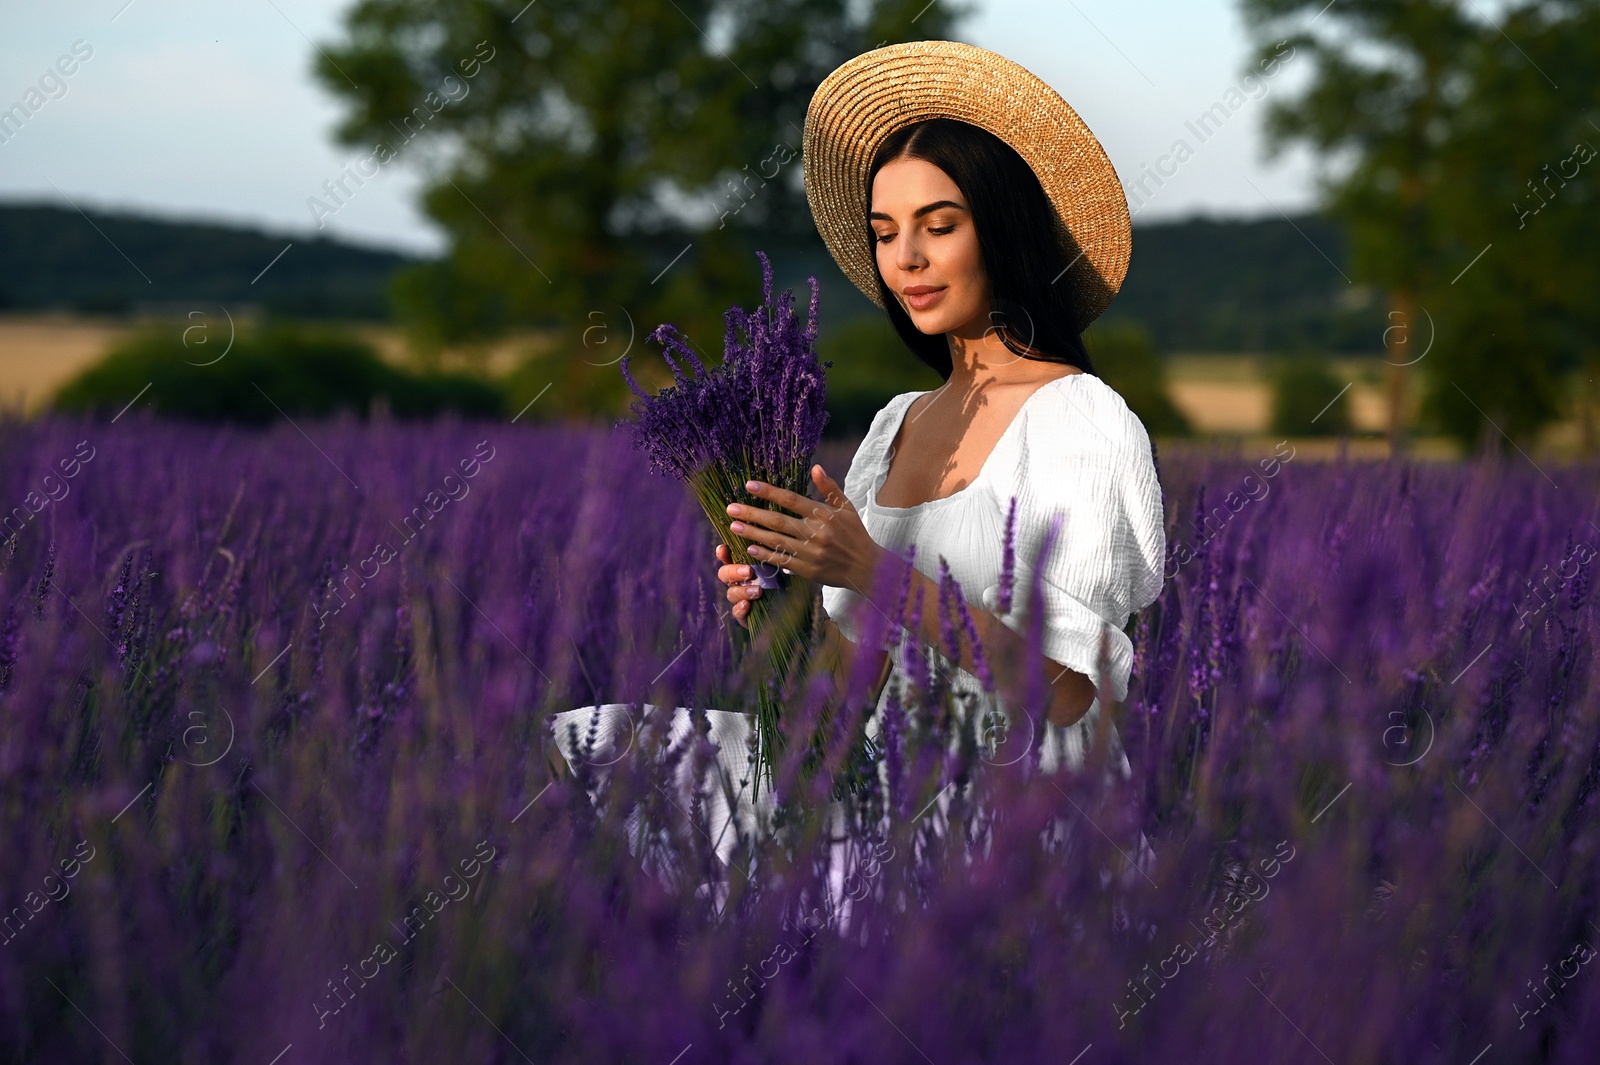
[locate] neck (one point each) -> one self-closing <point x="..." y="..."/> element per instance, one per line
<point x="978" y="357"/>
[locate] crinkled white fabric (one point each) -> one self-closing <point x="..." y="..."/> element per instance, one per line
<point x="604" y="735"/>
<point x="1074" y="449"/>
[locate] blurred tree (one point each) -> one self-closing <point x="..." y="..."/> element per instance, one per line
<point x="1517" y="316"/>
<point x="608" y="156"/>
<point x="870" y="366"/>
<point x="1126" y="359"/>
<point x="1385" y="85"/>
<point x="582" y="384"/>
<point x="1308" y="398"/>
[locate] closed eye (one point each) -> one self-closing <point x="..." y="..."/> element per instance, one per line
<point x="940" y="231"/>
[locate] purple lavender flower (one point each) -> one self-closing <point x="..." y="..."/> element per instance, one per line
<point x="8" y="646"/>
<point x="980" y="661"/>
<point x="44" y="581"/>
<point x="947" y="612"/>
<point x="118" y="602"/>
<point x="757" y="416"/>
<point x="1008" y="558"/>
<point x="1312" y="695"/>
<point x="760" y="414"/>
<point x="911" y="647"/>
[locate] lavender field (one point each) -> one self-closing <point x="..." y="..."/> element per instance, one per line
<point x="277" y="785"/>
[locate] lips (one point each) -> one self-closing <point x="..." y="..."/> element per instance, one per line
<point x="921" y="297"/>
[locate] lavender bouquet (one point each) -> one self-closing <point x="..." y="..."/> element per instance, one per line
<point x="758" y="416"/>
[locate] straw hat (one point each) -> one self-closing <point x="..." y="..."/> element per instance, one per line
<point x="877" y="92"/>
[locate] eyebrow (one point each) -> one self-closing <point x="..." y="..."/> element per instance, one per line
<point x="920" y="211"/>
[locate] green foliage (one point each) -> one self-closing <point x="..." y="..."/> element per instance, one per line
<point x="1308" y="398"/>
<point x="439" y="307"/>
<point x="870" y="366"/>
<point x="581" y="383"/>
<point x="1385" y="78"/>
<point x="281" y="369"/>
<point x="599" y="155"/>
<point x="1516" y="324"/>
<point x="1493" y="378"/>
<point x="1125" y="358"/>
<point x="1468" y="195"/>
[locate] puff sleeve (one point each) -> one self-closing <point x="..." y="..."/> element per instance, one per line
<point x="1085" y="457"/>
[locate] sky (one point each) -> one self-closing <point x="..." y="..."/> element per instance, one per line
<point x="207" y="111"/>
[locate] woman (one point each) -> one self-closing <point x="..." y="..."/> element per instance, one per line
<point x="966" y="198"/>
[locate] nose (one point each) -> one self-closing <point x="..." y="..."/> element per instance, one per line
<point x="908" y="253"/>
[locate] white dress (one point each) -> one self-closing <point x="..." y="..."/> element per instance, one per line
<point x="1073" y="449"/>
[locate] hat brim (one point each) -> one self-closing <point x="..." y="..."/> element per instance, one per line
<point x="869" y="97"/>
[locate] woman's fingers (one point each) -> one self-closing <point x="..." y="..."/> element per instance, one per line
<point x="730" y="572"/>
<point x="734" y="574"/>
<point x="832" y="491"/>
<point x="740" y="591"/>
<point x="741" y="582"/>
<point x="741" y="604"/>
<point x="754" y="523"/>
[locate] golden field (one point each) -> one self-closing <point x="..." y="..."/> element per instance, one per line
<point x="1224" y="396"/>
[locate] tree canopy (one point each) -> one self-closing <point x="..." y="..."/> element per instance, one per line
<point x="1440" y="128"/>
<point x="597" y="155"/>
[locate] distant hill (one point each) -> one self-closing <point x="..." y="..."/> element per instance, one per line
<point x="113" y="263"/>
<point x="1197" y="285"/>
<point x="1270" y="284"/>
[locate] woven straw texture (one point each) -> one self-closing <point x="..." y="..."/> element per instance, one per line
<point x="877" y="92"/>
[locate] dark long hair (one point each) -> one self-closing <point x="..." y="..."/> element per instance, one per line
<point x="1020" y="236"/>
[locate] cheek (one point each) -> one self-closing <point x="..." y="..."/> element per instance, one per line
<point x="963" y="266"/>
<point x="884" y="254"/>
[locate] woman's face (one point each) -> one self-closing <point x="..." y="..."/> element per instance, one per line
<point x="927" y="248"/>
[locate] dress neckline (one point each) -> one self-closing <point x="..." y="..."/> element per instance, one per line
<point x="894" y="431"/>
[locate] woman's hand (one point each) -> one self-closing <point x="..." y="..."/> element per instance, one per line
<point x="741" y="582"/>
<point x="824" y="542"/>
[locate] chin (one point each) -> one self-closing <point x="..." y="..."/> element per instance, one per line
<point x="939" y="319"/>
